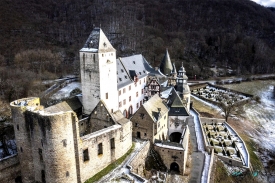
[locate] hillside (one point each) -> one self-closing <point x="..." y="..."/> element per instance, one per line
<point x="237" y="33"/>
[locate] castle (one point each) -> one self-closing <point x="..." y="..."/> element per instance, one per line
<point x="121" y="98"/>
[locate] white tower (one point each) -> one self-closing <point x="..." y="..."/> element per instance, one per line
<point x="183" y="88"/>
<point x="98" y="72"/>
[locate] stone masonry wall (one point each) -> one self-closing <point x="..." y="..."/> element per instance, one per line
<point x="169" y="155"/>
<point x="91" y="143"/>
<point x="137" y="164"/>
<point x="10" y="169"/>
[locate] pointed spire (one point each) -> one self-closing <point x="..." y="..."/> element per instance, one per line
<point x="98" y="42"/>
<point x="166" y="65"/>
<point x="174" y="71"/>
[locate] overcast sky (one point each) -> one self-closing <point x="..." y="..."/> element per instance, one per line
<point x="268" y="3"/>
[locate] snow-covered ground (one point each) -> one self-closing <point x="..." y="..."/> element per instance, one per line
<point x="261" y="114"/>
<point x="65" y="92"/>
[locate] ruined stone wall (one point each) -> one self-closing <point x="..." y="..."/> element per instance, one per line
<point x="169" y="155"/>
<point x="99" y="160"/>
<point x="45" y="141"/>
<point x="53" y="149"/>
<point x="137" y="164"/>
<point x="10" y="169"/>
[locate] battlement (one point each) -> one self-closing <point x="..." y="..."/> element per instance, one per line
<point x="30" y="104"/>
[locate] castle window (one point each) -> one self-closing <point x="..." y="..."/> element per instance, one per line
<point x="137" y="105"/>
<point x="125" y="77"/>
<point x="102" y="55"/>
<point x="140" y="103"/>
<point x="112" y="110"/>
<point x="124" y="101"/>
<point x="43" y="176"/>
<point x="136" y="94"/>
<point x="124" y="90"/>
<point x="140" y="82"/>
<point x="136" y="125"/>
<point x="145" y="134"/>
<point x="130" y="99"/>
<point x="106" y="95"/>
<point x="122" y="70"/>
<point x="165" y="117"/>
<point x="99" y="149"/>
<point x="112" y="143"/>
<point x="119" y="104"/>
<point x="40" y="154"/>
<point x="65" y="142"/>
<point x="67" y="174"/>
<point x="17" y="127"/>
<point x="141" y="91"/>
<point x="21" y="149"/>
<point x="139" y="73"/>
<point x="119" y="92"/>
<point x="86" y="155"/>
<point x="134" y="62"/>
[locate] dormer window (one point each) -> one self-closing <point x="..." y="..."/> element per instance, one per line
<point x="134" y="62"/>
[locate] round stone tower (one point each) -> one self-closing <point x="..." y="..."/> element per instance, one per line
<point x="46" y="141"/>
<point x="22" y="136"/>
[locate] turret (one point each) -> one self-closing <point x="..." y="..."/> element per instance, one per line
<point x="182" y="86"/>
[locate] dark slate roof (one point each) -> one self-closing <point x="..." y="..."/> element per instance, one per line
<point x="175" y="104"/>
<point x="152" y="107"/>
<point x="166" y="65"/>
<point x="97" y="42"/>
<point x="130" y="67"/>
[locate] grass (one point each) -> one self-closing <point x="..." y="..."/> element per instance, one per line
<point x="220" y="173"/>
<point x="204" y="109"/>
<point x="254" y="160"/>
<point x="110" y="167"/>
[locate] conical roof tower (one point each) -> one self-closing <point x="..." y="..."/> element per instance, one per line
<point x="166" y="66"/>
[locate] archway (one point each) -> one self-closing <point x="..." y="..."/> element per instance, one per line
<point x="174" y="167"/>
<point x="130" y="111"/>
<point x="125" y="113"/>
<point x="175" y="137"/>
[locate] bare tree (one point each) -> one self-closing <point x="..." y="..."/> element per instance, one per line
<point x="228" y="106"/>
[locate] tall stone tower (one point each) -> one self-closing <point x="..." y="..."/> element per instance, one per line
<point x="98" y="72"/>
